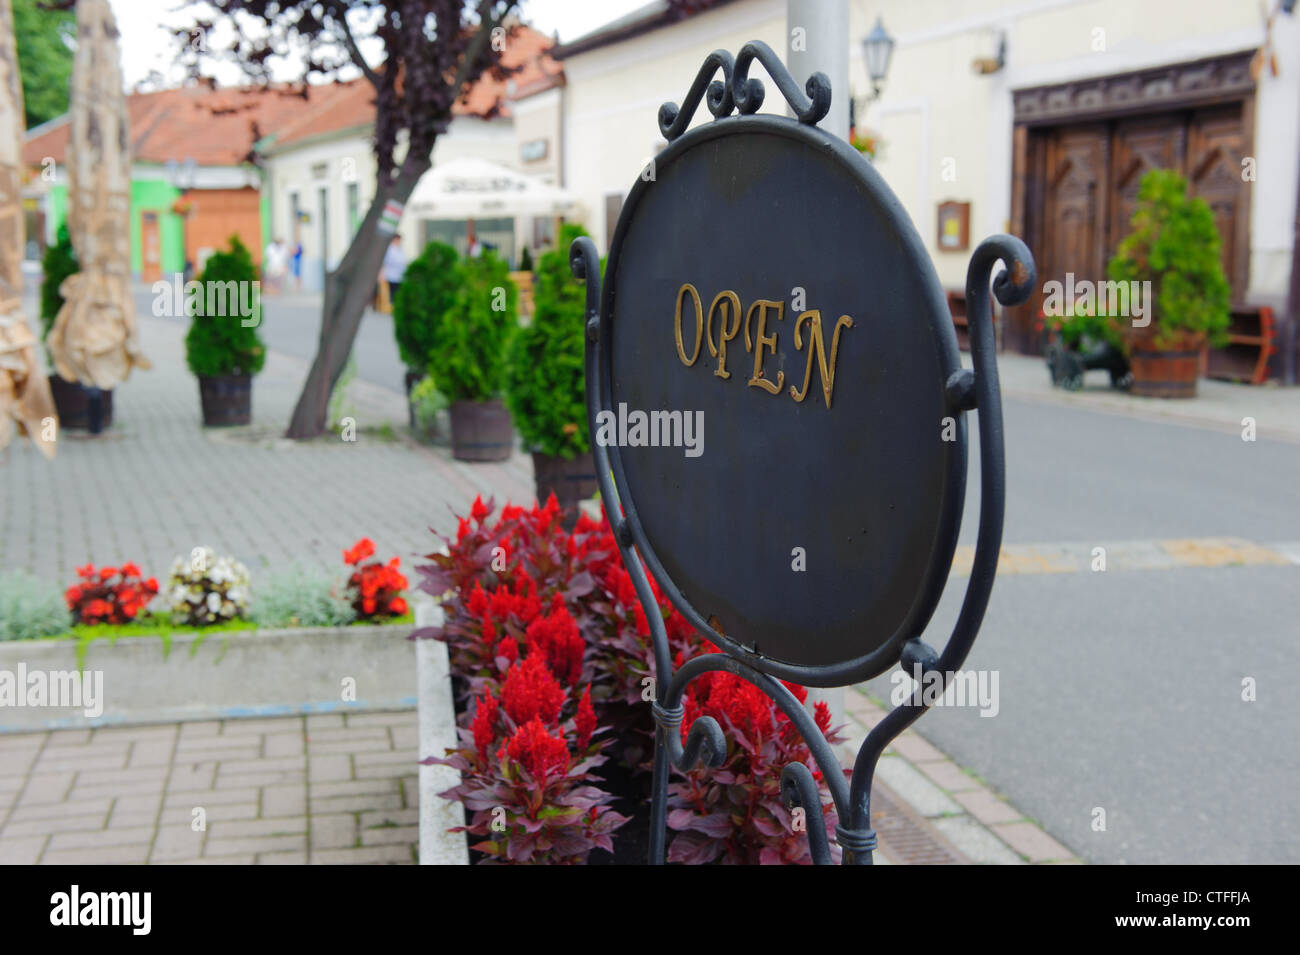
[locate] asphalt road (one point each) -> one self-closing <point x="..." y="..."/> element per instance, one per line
<point x="1118" y="690"/>
<point x="1122" y="690"/>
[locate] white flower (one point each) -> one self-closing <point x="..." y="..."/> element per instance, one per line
<point x="214" y="602"/>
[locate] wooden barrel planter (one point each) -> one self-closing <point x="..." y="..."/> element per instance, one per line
<point x="481" y="431"/>
<point x="570" y="481"/>
<point x="73" y="407"/>
<point x="227" y="400"/>
<point x="1168" y="372"/>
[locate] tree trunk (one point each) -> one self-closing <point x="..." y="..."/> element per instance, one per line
<point x="348" y="289"/>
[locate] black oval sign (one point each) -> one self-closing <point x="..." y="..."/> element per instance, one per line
<point x="774" y="348"/>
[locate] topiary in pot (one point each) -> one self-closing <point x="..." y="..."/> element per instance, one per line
<point x="223" y="347"/>
<point x="60" y="261"/>
<point x="469" y="360"/>
<point x="545" y="378"/>
<point x="1174" y="245"/>
<point x="428" y="292"/>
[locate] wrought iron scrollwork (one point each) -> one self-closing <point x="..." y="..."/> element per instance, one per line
<point x="737" y="90"/>
<point x="976" y="389"/>
<point x="673" y="121"/>
<point x="748" y="93"/>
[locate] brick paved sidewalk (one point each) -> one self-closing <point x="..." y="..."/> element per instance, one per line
<point x="337" y="788"/>
<point x="158" y="484"/>
<point x="320" y="788"/>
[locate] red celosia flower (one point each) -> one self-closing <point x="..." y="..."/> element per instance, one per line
<point x="556" y="637"/>
<point x="462" y="529"/>
<point x="542" y="754"/>
<point x="479" y="510"/>
<point x="106" y="572"/>
<point x="130" y="570"/>
<point x="477" y="604"/>
<point x="585" y="721"/>
<point x="484" y="725"/>
<point x="822" y="713"/>
<point x="509" y="648"/>
<point x="531" y="692"/>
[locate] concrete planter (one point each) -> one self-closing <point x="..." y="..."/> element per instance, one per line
<point x="223" y="675"/>
<point x="437" y="734"/>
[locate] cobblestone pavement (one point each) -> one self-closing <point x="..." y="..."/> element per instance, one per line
<point x="334" y="788"/>
<point x="157" y="484"/>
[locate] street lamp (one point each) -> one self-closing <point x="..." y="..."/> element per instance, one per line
<point x="877" y="49"/>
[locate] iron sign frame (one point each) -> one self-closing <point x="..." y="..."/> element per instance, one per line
<point x="964" y="390"/>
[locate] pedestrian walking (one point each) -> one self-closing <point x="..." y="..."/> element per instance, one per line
<point x="274" y="266"/>
<point x="394" y="268"/>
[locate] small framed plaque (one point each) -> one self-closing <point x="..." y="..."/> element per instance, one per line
<point x="954" y="226"/>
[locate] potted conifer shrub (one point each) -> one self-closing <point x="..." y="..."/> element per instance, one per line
<point x="70" y="402"/>
<point x="223" y="348"/>
<point x="545" y="380"/>
<point x="469" y="360"/>
<point x="428" y="292"/>
<point x="1173" y="244"/>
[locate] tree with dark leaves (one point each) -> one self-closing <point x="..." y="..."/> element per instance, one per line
<point x="433" y="53"/>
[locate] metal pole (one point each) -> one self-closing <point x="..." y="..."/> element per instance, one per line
<point x="817" y="40"/>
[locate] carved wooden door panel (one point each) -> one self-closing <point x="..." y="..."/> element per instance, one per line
<point x="1074" y="222"/>
<point x="1215" y="149"/>
<point x="1140" y="145"/>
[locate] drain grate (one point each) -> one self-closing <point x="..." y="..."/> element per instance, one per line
<point x="905" y="837"/>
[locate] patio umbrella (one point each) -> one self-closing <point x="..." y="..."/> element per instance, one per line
<point x="24" y="389"/>
<point x="93" y="340"/>
<point x="470" y="188"/>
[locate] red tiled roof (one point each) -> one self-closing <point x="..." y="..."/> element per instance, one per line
<point x="219" y="127"/>
<point x="214" y="127"/>
<point x="352" y="104"/>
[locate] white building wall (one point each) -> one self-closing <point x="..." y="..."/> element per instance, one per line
<point x="935" y="108"/>
<point x="613" y="94"/>
<point x="336" y="164"/>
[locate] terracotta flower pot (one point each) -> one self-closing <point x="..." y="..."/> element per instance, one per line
<point x="1169" y="372"/>
<point x="481" y="431"/>
<point x="227" y="400"/>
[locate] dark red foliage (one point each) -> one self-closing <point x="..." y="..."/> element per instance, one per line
<point x="547" y="630"/>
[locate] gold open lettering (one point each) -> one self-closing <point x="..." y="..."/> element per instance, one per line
<point x="763" y="343"/>
<point x="817" y="344"/>
<point x="724" y="298"/>
<point x="699" y="324"/>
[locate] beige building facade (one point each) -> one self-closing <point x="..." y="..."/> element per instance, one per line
<point x="1031" y="116"/>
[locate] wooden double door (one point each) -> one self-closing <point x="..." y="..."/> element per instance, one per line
<point x="1081" y="183"/>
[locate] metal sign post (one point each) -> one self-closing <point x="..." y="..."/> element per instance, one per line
<point x="766" y="281"/>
